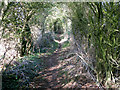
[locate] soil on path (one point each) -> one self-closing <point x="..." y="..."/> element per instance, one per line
<point x="62" y="72"/>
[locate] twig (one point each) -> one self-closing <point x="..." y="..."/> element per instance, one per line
<point x="3" y="56"/>
<point x="91" y="69"/>
<point x="9" y="64"/>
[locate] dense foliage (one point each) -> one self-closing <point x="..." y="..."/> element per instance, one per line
<point x="95" y="25"/>
<point x="99" y="23"/>
<point x="18" y="22"/>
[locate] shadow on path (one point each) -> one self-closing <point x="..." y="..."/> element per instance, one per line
<point x="47" y="71"/>
<point x="61" y="72"/>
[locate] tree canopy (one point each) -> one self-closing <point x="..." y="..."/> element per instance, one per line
<point x="93" y="26"/>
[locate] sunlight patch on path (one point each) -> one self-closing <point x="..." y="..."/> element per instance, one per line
<point x="65" y="73"/>
<point x="55" y="67"/>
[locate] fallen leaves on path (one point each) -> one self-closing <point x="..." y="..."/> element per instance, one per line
<point x="65" y="73"/>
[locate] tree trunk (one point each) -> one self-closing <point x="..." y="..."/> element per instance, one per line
<point x="3" y="7"/>
<point x="26" y="42"/>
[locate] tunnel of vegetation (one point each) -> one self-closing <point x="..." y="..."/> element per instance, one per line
<point x="58" y="27"/>
<point x="93" y="29"/>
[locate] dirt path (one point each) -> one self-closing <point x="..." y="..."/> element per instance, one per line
<point x="62" y="72"/>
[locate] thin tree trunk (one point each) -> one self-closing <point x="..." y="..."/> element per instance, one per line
<point x="3" y="7"/>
